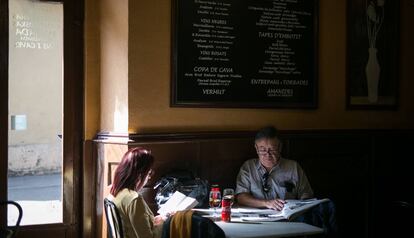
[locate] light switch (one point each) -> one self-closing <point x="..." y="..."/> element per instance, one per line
<point x="18" y="122"/>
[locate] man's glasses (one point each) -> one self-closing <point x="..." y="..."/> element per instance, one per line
<point x="271" y="150"/>
<point x="263" y="151"/>
<point x="265" y="184"/>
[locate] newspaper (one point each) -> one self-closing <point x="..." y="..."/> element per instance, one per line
<point x="291" y="209"/>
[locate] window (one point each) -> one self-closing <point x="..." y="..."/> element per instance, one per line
<point x="35" y="110"/>
<point x="41" y="110"/>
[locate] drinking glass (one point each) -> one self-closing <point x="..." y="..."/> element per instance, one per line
<point x="215" y="200"/>
<point x="229" y="194"/>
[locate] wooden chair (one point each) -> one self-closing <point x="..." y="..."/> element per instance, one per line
<point x="113" y="219"/>
<point x="11" y="231"/>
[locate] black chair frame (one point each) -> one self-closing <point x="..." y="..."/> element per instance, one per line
<point x="113" y="220"/>
<point x="11" y="231"/>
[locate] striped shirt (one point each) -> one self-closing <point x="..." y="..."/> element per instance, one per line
<point x="286" y="180"/>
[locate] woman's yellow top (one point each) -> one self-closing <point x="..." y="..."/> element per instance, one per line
<point x="137" y="218"/>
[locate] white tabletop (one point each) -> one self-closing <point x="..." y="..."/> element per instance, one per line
<point x="256" y="227"/>
<point x="267" y="229"/>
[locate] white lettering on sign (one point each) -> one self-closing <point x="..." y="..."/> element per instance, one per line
<point x="209" y="91"/>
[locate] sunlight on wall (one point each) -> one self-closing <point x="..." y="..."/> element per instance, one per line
<point x="120" y="117"/>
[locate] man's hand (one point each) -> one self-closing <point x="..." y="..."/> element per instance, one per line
<point x="276" y="204"/>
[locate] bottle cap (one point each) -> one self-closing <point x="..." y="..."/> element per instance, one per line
<point x="215" y="187"/>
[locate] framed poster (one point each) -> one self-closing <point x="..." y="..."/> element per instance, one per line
<point x="245" y="53"/>
<point x="372" y="54"/>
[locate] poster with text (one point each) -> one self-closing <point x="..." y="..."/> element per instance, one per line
<point x="245" y="53"/>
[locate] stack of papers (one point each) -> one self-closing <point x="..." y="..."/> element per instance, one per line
<point x="291" y="209"/>
<point x="257" y="215"/>
<point x="262" y="219"/>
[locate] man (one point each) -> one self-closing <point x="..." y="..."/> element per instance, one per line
<point x="270" y="179"/>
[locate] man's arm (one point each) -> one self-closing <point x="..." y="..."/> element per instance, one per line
<point x="304" y="188"/>
<point x="248" y="200"/>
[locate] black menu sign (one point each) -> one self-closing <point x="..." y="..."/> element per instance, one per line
<point x="245" y="53"/>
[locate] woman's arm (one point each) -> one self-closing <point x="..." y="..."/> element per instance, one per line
<point x="143" y="222"/>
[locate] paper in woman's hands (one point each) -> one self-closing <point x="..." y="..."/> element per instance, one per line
<point x="177" y="202"/>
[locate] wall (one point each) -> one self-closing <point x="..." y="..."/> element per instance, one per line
<point x="149" y="68"/>
<point x="35" y="87"/>
<point x="114" y="65"/>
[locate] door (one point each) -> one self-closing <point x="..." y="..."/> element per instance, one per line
<point x="41" y="114"/>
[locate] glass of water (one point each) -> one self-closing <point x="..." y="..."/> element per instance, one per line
<point x="229" y="194"/>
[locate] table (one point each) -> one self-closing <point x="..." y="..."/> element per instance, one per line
<point x="238" y="228"/>
<point x="267" y="229"/>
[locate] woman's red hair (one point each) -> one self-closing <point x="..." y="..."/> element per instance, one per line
<point x="133" y="168"/>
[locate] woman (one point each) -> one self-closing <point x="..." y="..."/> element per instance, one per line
<point x="130" y="177"/>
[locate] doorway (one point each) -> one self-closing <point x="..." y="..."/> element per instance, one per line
<point x="41" y="112"/>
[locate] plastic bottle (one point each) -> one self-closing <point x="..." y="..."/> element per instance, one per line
<point x="226" y="209"/>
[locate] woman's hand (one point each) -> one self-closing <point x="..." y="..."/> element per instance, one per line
<point x="171" y="214"/>
<point x="161" y="218"/>
<point x="158" y="220"/>
<point x="276" y="204"/>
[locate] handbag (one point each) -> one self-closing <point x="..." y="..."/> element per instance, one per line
<point x="185" y="182"/>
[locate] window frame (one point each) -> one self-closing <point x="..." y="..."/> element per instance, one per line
<point x="73" y="128"/>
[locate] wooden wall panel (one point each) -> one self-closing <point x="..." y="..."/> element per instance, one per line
<point x="185" y="155"/>
<point x="337" y="167"/>
<point x="222" y="158"/>
<point x="108" y="155"/>
<point x="89" y="185"/>
<point x="392" y="185"/>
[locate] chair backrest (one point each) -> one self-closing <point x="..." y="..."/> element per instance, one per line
<point x="113" y="219"/>
<point x="11" y="231"/>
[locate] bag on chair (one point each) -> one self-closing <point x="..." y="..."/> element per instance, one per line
<point x="184" y="182"/>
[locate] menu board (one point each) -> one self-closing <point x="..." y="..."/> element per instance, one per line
<point x="245" y="53"/>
